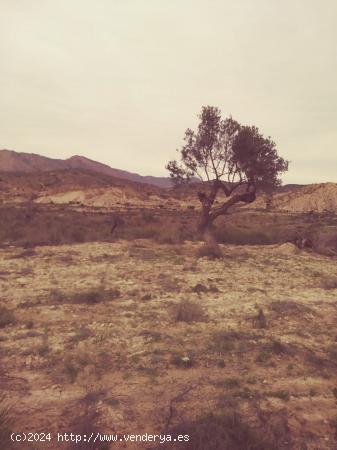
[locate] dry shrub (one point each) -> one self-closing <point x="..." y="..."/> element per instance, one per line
<point x="148" y="216"/>
<point x="329" y="283"/>
<point x="7" y="317"/>
<point x="86" y="425"/>
<point x="255" y="234"/>
<point x="25" y="254"/>
<point x="260" y="320"/>
<point x="222" y="342"/>
<point x="6" y="422"/>
<point x="325" y="241"/>
<point x="168" y="235"/>
<point x="51" y="226"/>
<point x="187" y="311"/>
<point x="288" y="307"/>
<point x="91" y="296"/>
<point x="209" y="251"/>
<point x="227" y="431"/>
<point x="279" y="348"/>
<point x="183" y="361"/>
<point x="82" y="334"/>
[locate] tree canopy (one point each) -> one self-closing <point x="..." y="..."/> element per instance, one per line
<point x="229" y="157"/>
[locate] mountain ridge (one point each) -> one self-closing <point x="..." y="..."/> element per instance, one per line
<point x="79" y="179"/>
<point x="12" y="161"/>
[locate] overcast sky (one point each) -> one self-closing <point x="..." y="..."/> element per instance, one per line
<point x="119" y="81"/>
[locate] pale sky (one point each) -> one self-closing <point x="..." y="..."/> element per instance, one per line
<point x="119" y="81"/>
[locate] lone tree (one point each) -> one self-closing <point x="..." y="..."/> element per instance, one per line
<point x="226" y="157"/>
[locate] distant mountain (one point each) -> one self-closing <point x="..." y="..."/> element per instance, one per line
<point x="11" y="161"/>
<point x="78" y="179"/>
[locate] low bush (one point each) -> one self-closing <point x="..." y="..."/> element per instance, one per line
<point x="222" y="342"/>
<point x="329" y="283"/>
<point x="209" y="251"/>
<point x="89" y="297"/>
<point x="6" y="422"/>
<point x="187" y="311"/>
<point x="182" y="361"/>
<point x="325" y="241"/>
<point x="226" y="431"/>
<point x="7" y="317"/>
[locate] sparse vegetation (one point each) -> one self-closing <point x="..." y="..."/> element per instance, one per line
<point x="209" y="251"/>
<point x="283" y="395"/>
<point x="199" y="307"/>
<point x="240" y="325"/>
<point x="81" y="335"/>
<point x="182" y="360"/>
<point x="329" y="283"/>
<point x="229" y="383"/>
<point x="260" y="320"/>
<point x="227" y="431"/>
<point x="7" y="317"/>
<point x="222" y="342"/>
<point x="71" y="368"/>
<point x="289" y="307"/>
<point x="85" y="424"/>
<point x="90" y="296"/>
<point x="187" y="311"/>
<point x="6" y="422"/>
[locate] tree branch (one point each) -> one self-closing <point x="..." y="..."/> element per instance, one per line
<point x="246" y="197"/>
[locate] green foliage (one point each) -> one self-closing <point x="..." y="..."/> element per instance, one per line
<point x="222" y="149"/>
<point x="229" y="158"/>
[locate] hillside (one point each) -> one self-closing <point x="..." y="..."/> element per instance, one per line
<point x="78" y="179"/>
<point x="77" y="186"/>
<point x="314" y="197"/>
<point x="11" y="161"/>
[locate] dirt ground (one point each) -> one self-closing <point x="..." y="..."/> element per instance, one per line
<point x="142" y="337"/>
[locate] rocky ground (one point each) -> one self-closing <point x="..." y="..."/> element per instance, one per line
<point x="141" y="337"/>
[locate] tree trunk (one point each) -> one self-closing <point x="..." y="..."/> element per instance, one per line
<point x="205" y="231"/>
